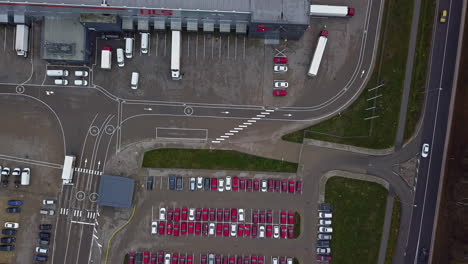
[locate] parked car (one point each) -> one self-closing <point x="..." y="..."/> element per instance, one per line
<point x="228" y="183"/>
<point x="162" y="214"/>
<point x="16" y="172"/>
<point x="7" y="247"/>
<point x="154" y="228"/>
<point x="221" y="185"/>
<point x="48" y="202"/>
<point x="325" y="222"/>
<point x="241" y="215"/>
<point x="325" y="215"/>
<point x="280" y="68"/>
<point x="206" y="184"/>
<point x="235" y="183"/>
<point x="264" y="186"/>
<point x="45" y="227"/>
<point x="324" y="236"/>
<point x="233" y="230"/>
<point x="325" y="229"/>
<point x="280" y="92"/>
<point x="323" y="258"/>
<point x="44" y="211"/>
<point x="13" y="210"/>
<point x="179" y="183"/>
<point x="40" y="258"/>
<point x="276" y="231"/>
<point x="42" y="250"/>
<point x="172" y="181"/>
<point x="199" y="182"/>
<point x="44" y="235"/>
<point x="280" y="60"/>
<point x="323" y="243"/>
<point x="7" y="240"/>
<point x="43" y="242"/>
<point x="11" y="225"/>
<point x="81" y="73"/>
<point x="15" y="203"/>
<point x="80" y="82"/>
<point x="191" y="214"/>
<point x="320" y="250"/>
<point x="261" y="233"/>
<point x="193" y="184"/>
<point x="6" y="171"/>
<point x="281" y="84"/>
<point x="291" y="187"/>
<point x="214" y="184"/>
<point x="325" y="208"/>
<point x="8" y="232"/>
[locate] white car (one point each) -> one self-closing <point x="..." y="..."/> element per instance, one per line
<point x="326" y="222"/>
<point x="81" y="73"/>
<point x="261" y="231"/>
<point x="325" y="215"/>
<point x="324" y="237"/>
<point x="233" y="230"/>
<point x="211" y="230"/>
<point x="81" y="82"/>
<point x="425" y="150"/>
<point x="199" y="182"/>
<point x="325" y="229"/>
<point x="16" y="172"/>
<point x="41" y="250"/>
<point x="323" y="251"/>
<point x="60" y="82"/>
<point x="221" y="185"/>
<point x="276" y="231"/>
<point x="11" y="225"/>
<point x="281" y="84"/>
<point x="154" y="228"/>
<point x="48" y="202"/>
<point x="290" y="261"/>
<point x="167" y="259"/>
<point x="191" y="215"/>
<point x="280" y="68"/>
<point x="192" y="184"/>
<point x="274" y="260"/>
<point x="241" y="215"/>
<point x="228" y="183"/>
<point x="6" y="171"/>
<point x="264" y="186"/>
<point x="162" y="214"/>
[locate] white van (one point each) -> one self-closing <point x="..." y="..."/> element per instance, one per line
<point x="57" y="73"/>
<point x="25" y="176"/>
<point x="60" y="82"/>
<point x="128" y="48"/>
<point x="81" y="73"/>
<point x="134" y="81"/>
<point x="144" y="42"/>
<point x="120" y="57"/>
<point x="81" y="82"/>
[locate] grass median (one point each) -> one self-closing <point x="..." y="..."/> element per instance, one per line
<point x="358" y="217"/>
<point x="213" y="160"/>
<point x="372" y="123"/>
<point x="394" y="228"/>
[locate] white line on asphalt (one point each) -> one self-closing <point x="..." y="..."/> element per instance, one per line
<point x="265" y="113"/>
<point x="220" y="139"/>
<point x="225" y="136"/>
<point x="215" y="141"/>
<point x="83" y="223"/>
<point x="252" y="121"/>
<point x="269" y="110"/>
<point x="242" y="126"/>
<point x="233" y="131"/>
<point x="255" y="118"/>
<point x="238" y="128"/>
<point x="247" y="123"/>
<point x="260" y="115"/>
<point x="229" y="134"/>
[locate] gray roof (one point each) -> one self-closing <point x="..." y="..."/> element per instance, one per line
<point x="281" y="11"/>
<point x="116" y="191"/>
<point x="63" y="39"/>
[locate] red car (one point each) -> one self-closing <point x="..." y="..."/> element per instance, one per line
<point x="232" y="260"/>
<point x="226" y="214"/>
<point x="291" y="186"/>
<point x="281" y="60"/>
<point x="160" y="257"/>
<point x="205" y="229"/>
<point x="256" y="185"/>
<point x="269" y="230"/>
<point x="161" y="228"/>
<point x="283" y="217"/>
<point x="280" y="92"/>
<point x="261" y="260"/>
<point x="146" y="257"/>
<point x="246" y="260"/>
<point x="271" y="185"/>
<point x="177" y="215"/>
<point x="284" y="186"/>
<point x="218" y="259"/>
<point x="277" y="185"/>
<point x="169" y="228"/>
<point x="190" y="227"/>
<point x="233" y="215"/>
<point x="205" y="214"/>
<point x="239" y="260"/>
<point x="214" y="184"/>
<point x="219" y="215"/>
<point x="253" y="260"/>
<point x="254" y="231"/>
<point x="261" y="218"/>
<point x="284" y="231"/>
<point x="269" y="217"/>
<point x="240" y="230"/>
<point x="203" y="259"/>
<point x="219" y="229"/>
<point x="182" y="259"/>
<point x="291" y="218"/>
<point x="184" y="214"/>
<point x="242" y="183"/>
<point x="131" y="258"/>
<point x="212" y="214"/>
<point x="170" y="214"/>
<point x="226" y="230"/>
<point x="290" y="232"/>
<point x="247" y="230"/>
<point x="235" y="183"/>
<point x="190" y="259"/>
<point x="283" y="260"/>
<point x="249" y="185"/>
<point x="183" y="228"/>
<point x="198" y="228"/>
<point x="255" y="217"/>
<point x="153" y="259"/>
<point x="225" y="260"/>
<point x="198" y="212"/>
<point x="323" y="258"/>
<point x="299" y="187"/>
<point x="175" y="232"/>
<point x="175" y="258"/>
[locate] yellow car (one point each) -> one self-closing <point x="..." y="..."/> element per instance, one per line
<point x="443" y="16"/>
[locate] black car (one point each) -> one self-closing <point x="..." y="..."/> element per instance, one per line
<point x="45" y="227"/>
<point x="325" y="208"/>
<point x="44" y="235"/>
<point x="13" y="210"/>
<point x="7" y="240"/>
<point x="9" y="232"/>
<point x="149" y="183"/>
<point x="179" y="184"/>
<point x="423" y="255"/>
<point x="43" y="242"/>
<point x="7" y="248"/>
<point x="171" y="182"/>
<point x="207" y="183"/>
<point x="40" y="258"/>
<point x="323" y="243"/>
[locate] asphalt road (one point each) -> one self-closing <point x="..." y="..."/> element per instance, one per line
<point x="434" y="129"/>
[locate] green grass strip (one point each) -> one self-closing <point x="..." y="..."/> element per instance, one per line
<point x="394" y="228"/>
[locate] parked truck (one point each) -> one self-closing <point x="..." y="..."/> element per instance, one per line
<point x="175" y="56"/>
<point x="106" y="58"/>
<point x="68" y="168"/>
<point x="331" y="11"/>
<point x="318" y="54"/>
<point x="22" y="40"/>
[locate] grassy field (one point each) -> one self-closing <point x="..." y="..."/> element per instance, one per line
<point x="351" y="126"/>
<point x="421" y="60"/>
<point x="358" y="217"/>
<point x="395" y="225"/>
<point x="213" y="160"/>
<point x="297" y="225"/>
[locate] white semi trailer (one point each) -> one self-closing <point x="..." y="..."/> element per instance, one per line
<point x="68" y="168"/>
<point x="331" y="11"/>
<point x="22" y="40"/>
<point x="318" y="54"/>
<point x="175" y="56"/>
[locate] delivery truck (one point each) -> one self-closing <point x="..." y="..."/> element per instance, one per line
<point x="106" y="58"/>
<point x="175" y="56"/>
<point x="68" y="168"/>
<point x="331" y="11"/>
<point x="22" y="40"/>
<point x="318" y="54"/>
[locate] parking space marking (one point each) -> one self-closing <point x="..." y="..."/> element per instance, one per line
<point x="252" y="121"/>
<point x="157" y="43"/>
<point x="233" y="131"/>
<point x="247" y="123"/>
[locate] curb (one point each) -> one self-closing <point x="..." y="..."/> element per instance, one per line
<point x="343" y="147"/>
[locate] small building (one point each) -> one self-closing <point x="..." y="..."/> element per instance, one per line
<point x="115" y="191"/>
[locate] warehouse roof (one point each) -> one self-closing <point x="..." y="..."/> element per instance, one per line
<point x="116" y="191"/>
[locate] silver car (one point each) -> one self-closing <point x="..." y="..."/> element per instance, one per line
<point x="162" y="214"/>
<point x="280" y="68"/>
<point x="325" y="251"/>
<point x="281" y="84"/>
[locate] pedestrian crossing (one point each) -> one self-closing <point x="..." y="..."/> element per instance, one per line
<point x="93" y="172"/>
<point x="78" y="213"/>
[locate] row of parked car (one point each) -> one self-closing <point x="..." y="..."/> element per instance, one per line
<point x="162" y="257"/>
<point x="81" y="75"/>
<point x="280" y="85"/>
<point x="323" y="249"/>
<point x="236" y="184"/>
<point x="22" y="176"/>
<point x="44" y="238"/>
<point x="10" y="228"/>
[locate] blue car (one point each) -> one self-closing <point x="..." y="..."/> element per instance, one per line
<point x="172" y="180"/>
<point x="15" y="203"/>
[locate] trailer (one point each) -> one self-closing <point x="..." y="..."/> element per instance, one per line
<point x="22" y="40"/>
<point x="106" y="58"/>
<point x="331" y="11"/>
<point x="175" y="56"/>
<point x="318" y="54"/>
<point x="68" y="168"/>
